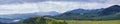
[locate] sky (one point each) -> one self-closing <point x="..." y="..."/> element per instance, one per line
<point x="61" y="6"/>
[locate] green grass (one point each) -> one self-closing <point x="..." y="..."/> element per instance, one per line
<point x="91" y="22"/>
<point x="58" y="21"/>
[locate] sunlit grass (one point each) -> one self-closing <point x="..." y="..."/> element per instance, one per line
<point x="92" y="22"/>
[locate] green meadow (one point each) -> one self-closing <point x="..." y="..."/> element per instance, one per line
<point x="48" y="20"/>
<point x="92" y="22"/>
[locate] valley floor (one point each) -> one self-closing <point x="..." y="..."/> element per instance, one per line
<point x="92" y="22"/>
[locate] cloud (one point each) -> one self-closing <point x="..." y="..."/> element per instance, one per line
<point x="18" y="8"/>
<point x="66" y="6"/>
<point x="3" y="2"/>
<point x="52" y="5"/>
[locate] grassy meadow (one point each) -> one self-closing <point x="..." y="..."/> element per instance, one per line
<point x="48" y="20"/>
<point x="91" y="22"/>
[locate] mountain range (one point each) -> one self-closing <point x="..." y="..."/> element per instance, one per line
<point x="108" y="13"/>
<point x="6" y="20"/>
<point x="12" y="17"/>
<point x="110" y="10"/>
<point x="84" y="11"/>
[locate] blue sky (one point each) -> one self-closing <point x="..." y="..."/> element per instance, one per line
<point x="31" y="6"/>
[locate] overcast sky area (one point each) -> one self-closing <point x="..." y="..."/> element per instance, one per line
<point x="61" y="6"/>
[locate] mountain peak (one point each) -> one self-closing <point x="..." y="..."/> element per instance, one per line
<point x="110" y="10"/>
<point x="115" y="6"/>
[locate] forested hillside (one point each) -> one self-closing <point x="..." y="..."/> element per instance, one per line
<point x="41" y="20"/>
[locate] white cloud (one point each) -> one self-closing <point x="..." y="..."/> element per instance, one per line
<point x="18" y="8"/>
<point x="59" y="6"/>
<point x="62" y="6"/>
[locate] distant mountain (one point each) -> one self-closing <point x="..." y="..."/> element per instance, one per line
<point x="26" y="15"/>
<point x="110" y="10"/>
<point x="12" y="17"/>
<point x="15" y="17"/>
<point x="79" y="14"/>
<point x="7" y="20"/>
<point x="110" y="13"/>
<point x="51" y="13"/>
<point x="84" y="11"/>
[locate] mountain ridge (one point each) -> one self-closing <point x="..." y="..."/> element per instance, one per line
<point x="110" y="14"/>
<point x="110" y="10"/>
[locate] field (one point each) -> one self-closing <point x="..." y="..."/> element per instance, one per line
<point x="39" y="20"/>
<point x="92" y="22"/>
